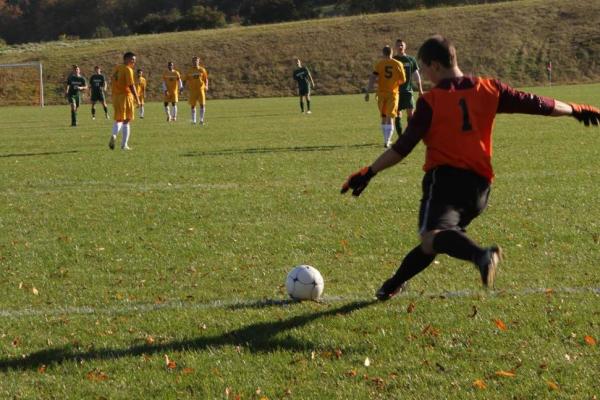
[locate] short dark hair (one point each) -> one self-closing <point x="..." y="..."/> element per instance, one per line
<point x="140" y="70"/>
<point x="400" y="40"/>
<point x="96" y="67"/>
<point x="74" y="66"/>
<point x="127" y="55"/>
<point x="438" y="48"/>
<point x="387" y="50"/>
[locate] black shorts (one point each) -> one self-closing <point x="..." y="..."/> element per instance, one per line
<point x="303" y="90"/>
<point x="452" y="198"/>
<point x="97" y="96"/>
<point x="406" y="101"/>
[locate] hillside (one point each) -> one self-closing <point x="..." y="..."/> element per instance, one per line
<point x="511" y="40"/>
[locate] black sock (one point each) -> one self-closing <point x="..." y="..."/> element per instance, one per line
<point x="93" y="112"/>
<point x="413" y="263"/>
<point x="308" y="105"/>
<point x="301" y="106"/>
<point x="398" y="123"/>
<point x="456" y="244"/>
<point x="105" y="109"/>
<point x="73" y="117"/>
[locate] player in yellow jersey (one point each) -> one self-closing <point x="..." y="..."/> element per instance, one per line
<point x="140" y="88"/>
<point x="389" y="75"/>
<point x="171" y="87"/>
<point x="196" y="81"/>
<point x="123" y="95"/>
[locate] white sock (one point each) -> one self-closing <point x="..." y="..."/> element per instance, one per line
<point x="116" y="128"/>
<point x="142" y="111"/>
<point x="389" y="131"/>
<point x="167" y="111"/>
<point x="126" y="131"/>
<point x="202" y="109"/>
<point x="194" y="115"/>
<point x="383" y="130"/>
<point x="174" y="112"/>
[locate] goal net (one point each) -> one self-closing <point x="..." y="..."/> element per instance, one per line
<point x="22" y="84"/>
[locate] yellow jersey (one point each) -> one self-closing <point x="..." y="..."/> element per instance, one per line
<point x="196" y="79"/>
<point x="122" y="79"/>
<point x="140" y="87"/>
<point x="171" y="80"/>
<point x="390" y="75"/>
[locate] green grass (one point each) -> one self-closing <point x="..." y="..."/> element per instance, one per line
<point x="512" y="40"/>
<point x="180" y="248"/>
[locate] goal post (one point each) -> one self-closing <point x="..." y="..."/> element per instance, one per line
<point x="40" y="77"/>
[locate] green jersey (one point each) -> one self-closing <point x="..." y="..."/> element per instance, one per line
<point x="302" y="77"/>
<point x="97" y="82"/>
<point x="75" y="82"/>
<point x="410" y="66"/>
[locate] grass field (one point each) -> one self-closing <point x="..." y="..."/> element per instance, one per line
<point x="159" y="272"/>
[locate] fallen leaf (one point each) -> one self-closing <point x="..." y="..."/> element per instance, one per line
<point x="549" y="291"/>
<point x="500" y="325"/>
<point x="589" y="340"/>
<point x="338" y="354"/>
<point x="351" y="373"/>
<point x="42" y="369"/>
<point x="410" y="308"/>
<point x="474" y="312"/>
<point x="552" y="385"/>
<point x="170" y="363"/>
<point x="505" y="374"/>
<point x="479" y="384"/>
<point x="35" y="291"/>
<point x="367" y="362"/>
<point x="149" y="340"/>
<point x="96" y="376"/>
<point x="187" y="371"/>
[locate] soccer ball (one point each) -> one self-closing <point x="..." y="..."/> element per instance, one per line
<point x="304" y="283"/>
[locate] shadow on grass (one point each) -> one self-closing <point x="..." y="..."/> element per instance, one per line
<point x="266" y="150"/>
<point x="46" y="153"/>
<point x="262" y="337"/>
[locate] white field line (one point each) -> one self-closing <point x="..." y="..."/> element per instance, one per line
<point x="259" y="303"/>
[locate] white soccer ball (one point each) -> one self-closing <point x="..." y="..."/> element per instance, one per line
<point x="304" y="283"/>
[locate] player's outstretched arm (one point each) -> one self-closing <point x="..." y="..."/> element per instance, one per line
<point x="359" y="180"/>
<point x="581" y="112"/>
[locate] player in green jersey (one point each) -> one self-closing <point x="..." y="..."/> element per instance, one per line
<point x="411" y="69"/>
<point x="302" y="77"/>
<point x="75" y="84"/>
<point x="98" y="88"/>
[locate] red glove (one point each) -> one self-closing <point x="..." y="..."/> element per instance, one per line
<point x="585" y="113"/>
<point x="358" y="181"/>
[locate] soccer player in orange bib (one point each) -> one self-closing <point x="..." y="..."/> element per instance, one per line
<point x="389" y="75"/>
<point x="171" y="87"/>
<point x="123" y="96"/>
<point x="196" y="80"/>
<point x="455" y="122"/>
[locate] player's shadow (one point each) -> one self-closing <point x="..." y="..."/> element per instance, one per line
<point x="268" y="150"/>
<point x="45" y="153"/>
<point x="262" y="337"/>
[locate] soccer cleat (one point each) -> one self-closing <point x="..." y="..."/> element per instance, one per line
<point x="309" y="112"/>
<point x="93" y="118"/>
<point x="488" y="265"/>
<point x="168" y="119"/>
<point x="111" y="143"/>
<point x="125" y="147"/>
<point x="108" y="116"/>
<point x="202" y="122"/>
<point x="389" y="289"/>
